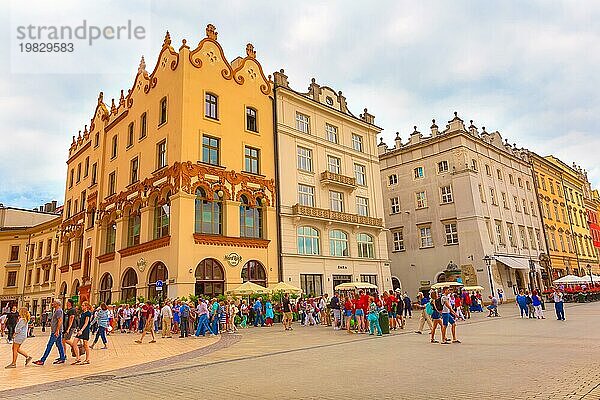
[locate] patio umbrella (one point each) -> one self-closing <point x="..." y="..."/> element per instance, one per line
<point x="471" y="288"/>
<point x="355" y="285"/>
<point x="445" y="284"/>
<point x="249" y="288"/>
<point x="285" y="288"/>
<point x="571" y="279"/>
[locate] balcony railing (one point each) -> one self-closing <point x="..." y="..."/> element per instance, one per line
<point x="336" y="216"/>
<point x="337" y="179"/>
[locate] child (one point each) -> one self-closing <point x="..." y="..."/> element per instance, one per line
<point x="374" y="318"/>
<point x="19" y="337"/>
<point x="244" y="310"/>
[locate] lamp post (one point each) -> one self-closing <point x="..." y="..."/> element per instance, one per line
<point x="589" y="268"/>
<point x="488" y="262"/>
<point x="532" y="274"/>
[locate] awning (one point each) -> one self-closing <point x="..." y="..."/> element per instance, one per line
<point x="513" y="262"/>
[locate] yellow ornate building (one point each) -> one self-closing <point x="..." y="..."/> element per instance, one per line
<point x="28" y="256"/>
<point x="174" y="182"/>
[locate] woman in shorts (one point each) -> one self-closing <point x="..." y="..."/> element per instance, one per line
<point x="83" y="334"/>
<point x="348" y="312"/>
<point x="436" y="316"/>
<point x="19" y="337"/>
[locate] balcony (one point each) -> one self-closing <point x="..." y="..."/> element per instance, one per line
<point x="331" y="178"/>
<point x="336" y="216"/>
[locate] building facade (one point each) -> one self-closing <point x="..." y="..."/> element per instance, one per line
<point x="29" y="256"/>
<point x="174" y="182"/>
<point x="331" y="212"/>
<point x="593" y="219"/>
<point x="455" y="197"/>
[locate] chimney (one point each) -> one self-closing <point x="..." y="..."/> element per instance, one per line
<point x="434" y="129"/>
<point x="398" y="141"/>
<point x="53" y="205"/>
<point x="281" y="79"/>
<point x="381" y="147"/>
<point x="368" y="118"/>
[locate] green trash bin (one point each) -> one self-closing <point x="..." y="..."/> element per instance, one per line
<point x="384" y="322"/>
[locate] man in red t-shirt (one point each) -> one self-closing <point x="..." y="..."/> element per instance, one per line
<point x="148" y="313"/>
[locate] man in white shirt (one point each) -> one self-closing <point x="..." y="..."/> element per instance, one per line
<point x="559" y="305"/>
<point x="167" y="315"/>
<point x="448" y="316"/>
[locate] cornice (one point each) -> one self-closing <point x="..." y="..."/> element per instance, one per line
<point x="146" y="246"/>
<point x="216" y="240"/>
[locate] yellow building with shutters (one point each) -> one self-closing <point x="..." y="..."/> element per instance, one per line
<point x="173" y="181"/>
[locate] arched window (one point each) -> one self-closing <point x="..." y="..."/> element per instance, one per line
<point x="209" y="213"/>
<point x="162" y="213"/>
<point x="338" y="243"/>
<point x="158" y="272"/>
<point x="308" y="240"/>
<point x="106" y="284"/>
<point x="163" y="111"/>
<point x="111" y="235"/>
<point x="251" y="218"/>
<point x="254" y="272"/>
<point x="365" y="246"/>
<point x="396" y="283"/>
<point x="210" y="278"/>
<point x="211" y="109"/>
<point x="128" y="285"/>
<point x="75" y="289"/>
<point x="133" y="227"/>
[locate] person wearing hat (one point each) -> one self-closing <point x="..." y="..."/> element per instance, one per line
<point x="421" y="304"/>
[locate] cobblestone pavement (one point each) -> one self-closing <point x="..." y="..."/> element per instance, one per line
<point x="500" y="358"/>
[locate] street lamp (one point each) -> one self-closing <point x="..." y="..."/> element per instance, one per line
<point x="532" y="274"/>
<point x="589" y="268"/>
<point x="488" y="262"/>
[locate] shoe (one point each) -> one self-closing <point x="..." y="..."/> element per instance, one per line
<point x="92" y="347"/>
<point x="153" y="341"/>
<point x="76" y="362"/>
<point x="39" y="362"/>
<point x="419" y="332"/>
<point x="138" y="341"/>
<point x="28" y="360"/>
<point x="10" y="366"/>
<point x="59" y="362"/>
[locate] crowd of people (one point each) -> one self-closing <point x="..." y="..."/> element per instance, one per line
<point x="74" y="326"/>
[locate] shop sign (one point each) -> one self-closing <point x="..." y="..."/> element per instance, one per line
<point x="342" y="267"/>
<point x="233" y="259"/>
<point x="425" y="283"/>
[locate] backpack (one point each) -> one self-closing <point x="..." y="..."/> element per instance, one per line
<point x="429" y="308"/>
<point x="438" y="304"/>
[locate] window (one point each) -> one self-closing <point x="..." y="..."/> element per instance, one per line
<point x="419" y="173"/>
<point x="357" y="142"/>
<point x="305" y="159"/>
<point x="162" y="213"/>
<point x="308" y="240"/>
<point x="359" y="173"/>
<point x="210" y="150"/>
<point x="86" y="167"/>
<point x="133" y="228"/>
<point x="210" y="278"/>
<point x="558" y="190"/>
<point x="78" y="172"/>
<point x="520" y="182"/>
<point x="425" y="236"/>
<point x="161" y="154"/>
<point x="252" y="160"/>
<point x="111" y="235"/>
<point x="499" y="232"/>
<point x="561" y="238"/>
<point x="128" y="285"/>
<point x="556" y="215"/>
<point x="372" y="279"/>
<point x="516" y="202"/>
<point x="529" y="187"/>
<point x="68" y="211"/>
<point x="511" y="234"/>
<point x="544" y="183"/>
<point x="488" y="226"/>
<point x="481" y="194"/>
<point x="331" y="133"/>
<point x="523" y="236"/>
<point x="208" y="213"/>
<point x="130" y="134"/>
<point x="254" y="271"/>
<point x="115" y="143"/>
<point x="511" y="179"/>
<point x="488" y="171"/>
<point x="94" y="173"/>
<point x="83" y="198"/>
<point x="336" y="201"/>
<point x="499" y="173"/>
<point x="112" y="182"/>
<point x="311" y="284"/>
<point x="553" y="241"/>
<point x="306" y="195"/>
<point x="451" y="233"/>
<point x="504" y="200"/>
<point x="134" y="171"/>
<point x="162" y="113"/>
<point x="71" y="178"/>
<point x="393" y="179"/>
<point x="11" y="279"/>
<point x="362" y="206"/>
<point x="398" y="238"/>
<point x="143" y="126"/>
<point x="14" y="253"/>
<point x="251" y="218"/>
<point x="338" y="243"/>
<point x="334" y="164"/>
<point x="532" y="205"/>
<point x="106" y="288"/>
<point x="446" y="194"/>
<point x="211" y="106"/>
<point x="302" y="123"/>
<point x="395" y="205"/>
<point x="493" y="196"/>
<point x="551" y="185"/>
<point x="421" y="198"/>
<point x="531" y="238"/>
<point x="474" y="164"/>
<point x="443" y="166"/>
<point x="366" y="248"/>
<point x="97" y="139"/>
<point x="525" y="210"/>
<point x="251" y="122"/>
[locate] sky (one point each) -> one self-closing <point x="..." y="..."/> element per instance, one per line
<point x="527" y="69"/>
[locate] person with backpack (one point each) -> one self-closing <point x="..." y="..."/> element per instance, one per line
<point x="530" y="309"/>
<point x="184" y="316"/>
<point x="373" y="318"/>
<point x="448" y="318"/>
<point x="421" y="304"/>
<point x="434" y="309"/>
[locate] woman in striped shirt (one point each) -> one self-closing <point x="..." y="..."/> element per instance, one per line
<point x="102" y="318"/>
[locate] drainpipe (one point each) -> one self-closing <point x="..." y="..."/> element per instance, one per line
<point x="277" y="189"/>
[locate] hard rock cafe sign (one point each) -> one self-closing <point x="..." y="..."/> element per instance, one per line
<point x="233" y="259"/>
<point x="141" y="264"/>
